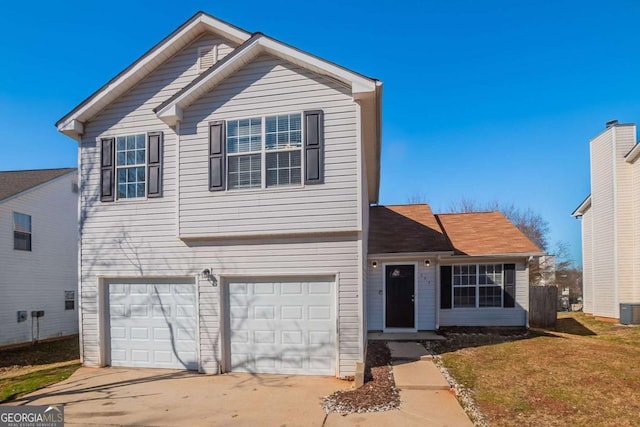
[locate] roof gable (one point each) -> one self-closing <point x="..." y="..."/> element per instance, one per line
<point x="72" y="124"/>
<point x="170" y="111"/>
<point x="485" y="233"/>
<point x="16" y="182"/>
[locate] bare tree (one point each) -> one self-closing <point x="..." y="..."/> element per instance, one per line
<point x="417" y="197"/>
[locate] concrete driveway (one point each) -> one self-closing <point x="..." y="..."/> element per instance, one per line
<point x="154" y="397"/>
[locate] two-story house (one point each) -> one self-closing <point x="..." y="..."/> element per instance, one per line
<point x="38" y="255"/>
<point x="226" y="185"/>
<point x="611" y="223"/>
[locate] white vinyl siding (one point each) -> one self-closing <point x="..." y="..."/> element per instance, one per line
<point x="36" y="280"/>
<point x="139" y="238"/>
<point x="602" y="198"/>
<point x="267" y="87"/>
<point x="587" y="261"/>
<point x="494" y="316"/>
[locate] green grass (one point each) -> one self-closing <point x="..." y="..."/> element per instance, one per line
<point x="582" y="373"/>
<point x="13" y="388"/>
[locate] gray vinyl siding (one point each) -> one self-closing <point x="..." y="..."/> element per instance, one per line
<point x="426" y="294"/>
<point x="37" y="280"/>
<point x="516" y="316"/>
<point x="140" y="238"/>
<point x="587" y="261"/>
<point x="269" y="86"/>
<point x="603" y="206"/>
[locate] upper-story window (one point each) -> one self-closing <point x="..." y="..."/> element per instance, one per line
<point x="131" y="166"/>
<point x="21" y="232"/>
<point x="264" y="151"/>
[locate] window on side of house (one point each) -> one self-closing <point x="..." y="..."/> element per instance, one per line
<point x="131" y="166"/>
<point x="264" y="151"/>
<point x="69" y="300"/>
<point x="478" y="285"/>
<point x="21" y="232"/>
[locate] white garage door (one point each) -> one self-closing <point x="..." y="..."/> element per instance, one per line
<point x="282" y="326"/>
<point x="153" y="325"/>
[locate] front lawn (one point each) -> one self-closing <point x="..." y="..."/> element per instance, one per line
<point x="583" y="373"/>
<point x="26" y="369"/>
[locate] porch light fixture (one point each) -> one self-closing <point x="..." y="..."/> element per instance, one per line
<point x="374" y="264"/>
<point x="427" y="263"/>
<point x="206" y="273"/>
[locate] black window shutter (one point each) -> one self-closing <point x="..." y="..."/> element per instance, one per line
<point x="509" y="285"/>
<point x="217" y="151"/>
<point x="107" y="170"/>
<point x="445" y="286"/>
<point x="154" y="164"/>
<point x="314" y="147"/>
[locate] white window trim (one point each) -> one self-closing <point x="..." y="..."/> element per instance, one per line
<point x="476" y="286"/>
<point x="118" y="199"/>
<point x="263" y="154"/>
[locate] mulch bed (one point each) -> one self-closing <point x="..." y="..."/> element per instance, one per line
<point x="379" y="391"/>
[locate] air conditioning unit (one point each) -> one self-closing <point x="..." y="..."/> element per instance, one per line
<point x="630" y="314"/>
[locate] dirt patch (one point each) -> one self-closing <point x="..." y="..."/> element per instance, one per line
<point x="30" y="358"/>
<point x="378" y="393"/>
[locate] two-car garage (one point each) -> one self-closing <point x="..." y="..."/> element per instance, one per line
<point x="283" y="325"/>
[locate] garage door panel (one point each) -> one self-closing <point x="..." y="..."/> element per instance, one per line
<point x="281" y="327"/>
<point x="153" y="325"/>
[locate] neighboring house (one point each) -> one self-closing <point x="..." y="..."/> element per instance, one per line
<point x="38" y="255"/>
<point x="611" y="223"/>
<point x="427" y="271"/>
<point x="542" y="270"/>
<point x="226" y="184"/>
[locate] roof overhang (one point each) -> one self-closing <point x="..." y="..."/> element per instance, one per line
<point x="497" y="256"/>
<point x="408" y="255"/>
<point x="583" y="208"/>
<point x="72" y="124"/>
<point x="633" y="154"/>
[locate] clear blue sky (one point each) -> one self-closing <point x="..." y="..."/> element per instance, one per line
<point x="488" y="100"/>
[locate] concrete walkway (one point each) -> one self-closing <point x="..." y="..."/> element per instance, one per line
<point x="425" y="396"/>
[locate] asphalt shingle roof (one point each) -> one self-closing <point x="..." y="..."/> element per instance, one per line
<point x="485" y="233"/>
<point x="405" y="228"/>
<point x="415" y="228"/>
<point x="14" y="182"/>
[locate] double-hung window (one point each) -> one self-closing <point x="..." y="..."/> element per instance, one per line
<point x="478" y="285"/>
<point x="131" y="166"/>
<point x="264" y="151"/>
<point x="21" y="232"/>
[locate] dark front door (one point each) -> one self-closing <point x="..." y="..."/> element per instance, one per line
<point x="400" y="296"/>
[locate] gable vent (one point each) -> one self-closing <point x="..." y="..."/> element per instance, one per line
<point x="207" y="56"/>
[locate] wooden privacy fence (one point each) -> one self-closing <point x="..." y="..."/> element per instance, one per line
<point x="543" y="305"/>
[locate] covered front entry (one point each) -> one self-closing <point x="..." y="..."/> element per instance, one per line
<point x="400" y="297"/>
<point x="282" y="326"/>
<point x="152" y="323"/>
